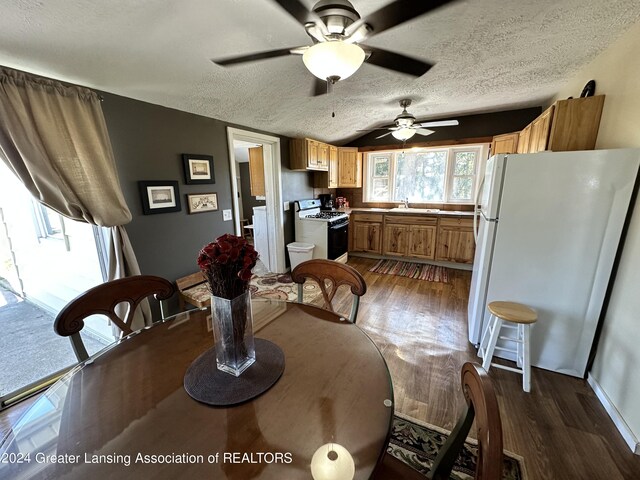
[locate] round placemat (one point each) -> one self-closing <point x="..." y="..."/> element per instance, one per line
<point x="205" y="383"/>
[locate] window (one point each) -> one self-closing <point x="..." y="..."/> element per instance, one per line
<point x="423" y="175"/>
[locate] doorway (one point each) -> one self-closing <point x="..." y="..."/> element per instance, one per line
<point x="257" y="156"/>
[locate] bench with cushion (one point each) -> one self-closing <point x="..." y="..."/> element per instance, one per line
<point x="193" y="289"/>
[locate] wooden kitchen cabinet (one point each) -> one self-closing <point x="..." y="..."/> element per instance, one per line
<point x="367" y="233"/>
<point x="328" y="179"/>
<point x="349" y="168"/>
<point x="540" y="129"/>
<point x="506" y="143"/>
<point x="396" y="239"/>
<point x="455" y="241"/>
<point x="523" y="140"/>
<point x="422" y="241"/>
<point x="323" y="156"/>
<point x="412" y="236"/>
<point x="308" y="154"/>
<point x="333" y="167"/>
<point x="575" y="124"/>
<point x="566" y="125"/>
<point x="256" y="172"/>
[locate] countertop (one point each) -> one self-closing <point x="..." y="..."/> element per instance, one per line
<point x="439" y="213"/>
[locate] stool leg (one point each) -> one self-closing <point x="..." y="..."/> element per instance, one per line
<point x="493" y="339"/>
<point x="526" y="361"/>
<point x="520" y="338"/>
<point x="485" y="337"/>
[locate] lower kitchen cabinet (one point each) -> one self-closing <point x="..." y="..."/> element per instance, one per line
<point x="367" y="233"/>
<point x="396" y="239"/>
<point x="455" y="240"/>
<point x="413" y="236"/>
<point x="422" y="241"/>
<point x="410" y="236"/>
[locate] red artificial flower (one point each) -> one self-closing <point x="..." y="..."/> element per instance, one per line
<point x="227" y="263"/>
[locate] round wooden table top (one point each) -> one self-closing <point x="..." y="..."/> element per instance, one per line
<point x="125" y="414"/>
<point x="513" y="312"/>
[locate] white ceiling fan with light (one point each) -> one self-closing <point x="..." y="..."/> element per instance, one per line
<point x="405" y="125"/>
<point x="337" y="31"/>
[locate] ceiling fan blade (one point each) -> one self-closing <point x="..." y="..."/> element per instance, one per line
<point x="438" y="123"/>
<point x="394" y="14"/>
<point x="396" y="61"/>
<point x="424" y="131"/>
<point x="258" y="56"/>
<point x="319" y="87"/>
<point x="302" y="14"/>
<point x="383" y="135"/>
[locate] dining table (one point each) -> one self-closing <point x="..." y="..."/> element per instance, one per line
<point x="124" y="413"/>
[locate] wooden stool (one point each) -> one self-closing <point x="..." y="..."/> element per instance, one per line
<point x="511" y="313"/>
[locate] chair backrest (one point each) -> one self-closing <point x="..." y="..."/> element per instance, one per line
<point x="337" y="274"/>
<point x="103" y="299"/>
<point x="482" y="405"/>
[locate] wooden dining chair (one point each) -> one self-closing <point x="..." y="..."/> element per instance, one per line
<point x="336" y="274"/>
<point x="482" y="405"/>
<point x="103" y="300"/>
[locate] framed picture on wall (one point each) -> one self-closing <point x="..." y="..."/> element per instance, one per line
<point x="159" y="196"/>
<point x="202" y="202"/>
<point x="198" y="169"/>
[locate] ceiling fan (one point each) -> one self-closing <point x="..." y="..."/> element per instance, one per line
<point x="337" y="31"/>
<point x="406" y="127"/>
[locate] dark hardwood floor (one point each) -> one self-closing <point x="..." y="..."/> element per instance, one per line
<point x="559" y="428"/>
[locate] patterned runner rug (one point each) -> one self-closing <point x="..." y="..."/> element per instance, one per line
<point x="430" y="273"/>
<point x="417" y="444"/>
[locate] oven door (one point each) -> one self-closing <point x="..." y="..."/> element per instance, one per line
<point x="338" y="240"/>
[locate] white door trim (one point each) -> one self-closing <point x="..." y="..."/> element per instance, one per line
<point x="273" y="190"/>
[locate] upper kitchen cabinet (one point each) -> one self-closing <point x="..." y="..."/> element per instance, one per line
<point x="349" y="168"/>
<point x="308" y="154"/>
<point x="328" y="179"/>
<point x="570" y="124"/>
<point x="256" y="172"/>
<point x="506" y="143"/>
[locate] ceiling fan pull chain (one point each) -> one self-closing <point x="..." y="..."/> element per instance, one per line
<point x="330" y="83"/>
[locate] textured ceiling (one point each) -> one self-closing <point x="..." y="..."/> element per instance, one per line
<point x="490" y="55"/>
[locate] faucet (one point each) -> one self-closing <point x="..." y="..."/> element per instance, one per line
<point x="405" y="202"/>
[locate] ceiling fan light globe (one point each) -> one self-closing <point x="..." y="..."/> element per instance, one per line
<point x="333" y="59"/>
<point x="403" y="133"/>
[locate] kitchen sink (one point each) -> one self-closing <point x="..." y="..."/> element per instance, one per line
<point x="415" y="210"/>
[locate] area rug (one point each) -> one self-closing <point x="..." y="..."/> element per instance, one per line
<point x="420" y="271"/>
<point x="281" y="287"/>
<point x="417" y="444"/>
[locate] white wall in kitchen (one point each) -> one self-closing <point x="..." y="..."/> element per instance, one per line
<point x="618" y="357"/>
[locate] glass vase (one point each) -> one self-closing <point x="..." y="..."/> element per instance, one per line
<point x="233" y="333"/>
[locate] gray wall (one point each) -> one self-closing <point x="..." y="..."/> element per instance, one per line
<point x="471" y="126"/>
<point x="148" y="141"/>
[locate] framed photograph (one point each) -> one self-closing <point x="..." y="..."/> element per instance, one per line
<point x="198" y="169"/>
<point x="159" y="196"/>
<point x="202" y="202"/>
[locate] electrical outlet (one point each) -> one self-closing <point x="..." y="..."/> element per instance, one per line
<point x="287" y="206"/>
<point x="226" y="215"/>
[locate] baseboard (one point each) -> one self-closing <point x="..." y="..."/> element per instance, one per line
<point x="628" y="436"/>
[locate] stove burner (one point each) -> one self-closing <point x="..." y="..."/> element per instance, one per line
<point x="326" y="215"/>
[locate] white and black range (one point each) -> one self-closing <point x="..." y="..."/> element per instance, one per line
<point x="327" y="230"/>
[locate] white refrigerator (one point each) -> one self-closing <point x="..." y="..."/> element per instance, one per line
<point x="548" y="229"/>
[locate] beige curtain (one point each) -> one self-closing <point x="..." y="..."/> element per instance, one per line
<point x="54" y="137"/>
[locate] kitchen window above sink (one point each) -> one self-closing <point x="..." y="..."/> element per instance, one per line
<point x="423" y="175"/>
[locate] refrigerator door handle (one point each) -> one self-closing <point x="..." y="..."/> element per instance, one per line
<point x="475" y="211"/>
